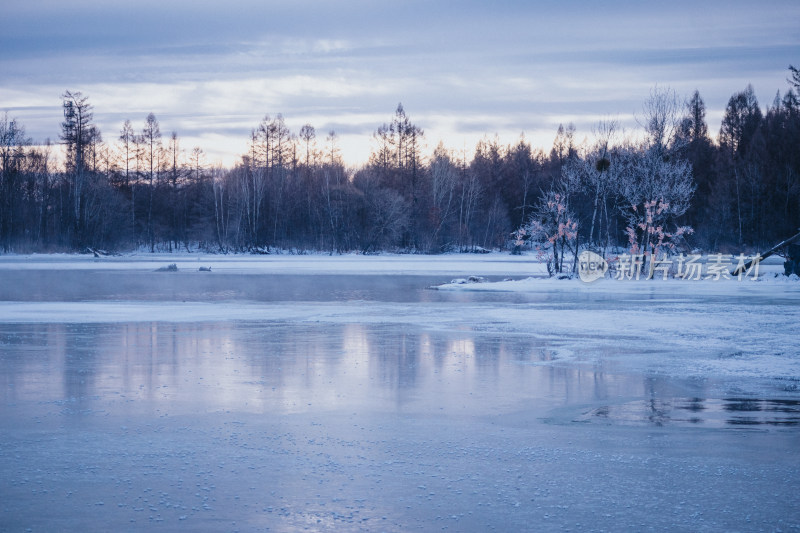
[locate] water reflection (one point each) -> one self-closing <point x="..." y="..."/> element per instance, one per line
<point x="259" y="367"/>
<point x="700" y="412"/>
<point x="72" y="370"/>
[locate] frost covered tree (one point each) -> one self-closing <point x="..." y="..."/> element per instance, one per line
<point x="599" y="174"/>
<point x="655" y="184"/>
<point x="661" y="120"/>
<point x="656" y="191"/>
<point x="552" y="229"/>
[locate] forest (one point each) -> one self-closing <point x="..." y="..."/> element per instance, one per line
<point x="668" y="186"/>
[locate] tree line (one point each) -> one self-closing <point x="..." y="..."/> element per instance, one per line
<point x="667" y="185"/>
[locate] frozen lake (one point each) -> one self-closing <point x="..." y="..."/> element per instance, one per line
<point x="318" y="393"/>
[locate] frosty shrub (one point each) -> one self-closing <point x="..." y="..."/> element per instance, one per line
<point x="552" y="231"/>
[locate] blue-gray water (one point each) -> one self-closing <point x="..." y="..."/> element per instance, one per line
<point x="255" y="425"/>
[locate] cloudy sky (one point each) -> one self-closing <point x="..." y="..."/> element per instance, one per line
<point x="462" y="69"/>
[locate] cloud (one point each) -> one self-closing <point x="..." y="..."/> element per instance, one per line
<point x="462" y="69"/>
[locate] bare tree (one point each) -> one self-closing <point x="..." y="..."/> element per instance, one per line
<point x="79" y="136"/>
<point x="444" y="176"/>
<point x="386" y="216"/>
<point x="739" y="129"/>
<point x="12" y="143"/>
<point x="177" y="200"/>
<point x="563" y="145"/>
<point x="221" y="207"/>
<point x="470" y="192"/>
<point x="307" y="135"/>
<point x="661" y="119"/>
<point x="794" y="80"/>
<point x="152" y="149"/>
<point x="197" y="160"/>
<point x="41" y="166"/>
<point x="600" y="175"/>
<point x="127" y="139"/>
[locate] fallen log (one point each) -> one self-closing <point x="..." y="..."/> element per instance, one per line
<point x="761" y="257"/>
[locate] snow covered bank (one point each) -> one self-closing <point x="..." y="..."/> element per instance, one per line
<point x="769" y="283"/>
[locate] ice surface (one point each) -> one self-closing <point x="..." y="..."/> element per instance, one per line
<point x="340" y="393"/>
